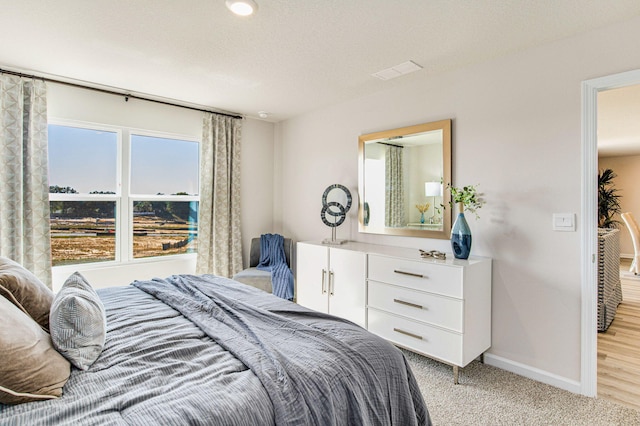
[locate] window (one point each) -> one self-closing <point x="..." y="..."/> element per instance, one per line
<point x="164" y="184"/>
<point x="121" y="195"/>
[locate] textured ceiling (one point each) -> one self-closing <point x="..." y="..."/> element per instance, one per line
<point x="292" y="57"/>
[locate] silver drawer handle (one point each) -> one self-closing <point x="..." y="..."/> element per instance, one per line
<point x="413" y="274"/>
<point x="413" y="305"/>
<point x="406" y="333"/>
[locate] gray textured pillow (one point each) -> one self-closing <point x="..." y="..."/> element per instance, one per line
<point x="24" y="290"/>
<point x="77" y="322"/>
<point x="30" y="368"/>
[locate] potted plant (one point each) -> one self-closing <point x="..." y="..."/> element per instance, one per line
<point x="608" y="200"/>
<point x="422" y="208"/>
<point x="465" y="198"/>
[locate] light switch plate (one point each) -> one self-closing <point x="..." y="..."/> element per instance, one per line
<point x="564" y="222"/>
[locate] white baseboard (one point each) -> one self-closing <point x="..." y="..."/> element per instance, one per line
<point x="533" y="373"/>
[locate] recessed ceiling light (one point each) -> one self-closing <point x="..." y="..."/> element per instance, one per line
<point x="263" y="114"/>
<point x="242" y="7"/>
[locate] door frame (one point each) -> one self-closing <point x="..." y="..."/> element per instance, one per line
<point x="589" y="320"/>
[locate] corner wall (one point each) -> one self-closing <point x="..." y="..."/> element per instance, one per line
<point x="516" y="133"/>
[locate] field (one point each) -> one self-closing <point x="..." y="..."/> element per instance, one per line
<point x="82" y="240"/>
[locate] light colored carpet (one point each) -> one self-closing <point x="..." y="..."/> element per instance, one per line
<point x="488" y="395"/>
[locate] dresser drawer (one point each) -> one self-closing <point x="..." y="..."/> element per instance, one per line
<point x="425" y="276"/>
<point x="431" y="341"/>
<point x="442" y="311"/>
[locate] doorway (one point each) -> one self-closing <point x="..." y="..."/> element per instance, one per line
<point x="618" y="372"/>
<point x="590" y="89"/>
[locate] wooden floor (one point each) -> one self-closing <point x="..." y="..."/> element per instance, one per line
<point x="619" y="348"/>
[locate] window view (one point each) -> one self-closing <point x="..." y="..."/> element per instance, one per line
<point x="86" y="201"/>
<point x="163" y="166"/>
<point x="82" y="187"/>
<point x="83" y="231"/>
<point x="82" y="161"/>
<point x="164" y="179"/>
<point x="164" y="227"/>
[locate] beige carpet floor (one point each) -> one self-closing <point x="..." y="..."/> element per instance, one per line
<point x="488" y="395"/>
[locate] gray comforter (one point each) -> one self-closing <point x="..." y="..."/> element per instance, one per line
<point x="217" y="352"/>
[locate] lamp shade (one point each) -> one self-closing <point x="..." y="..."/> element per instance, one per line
<point x="432" y="189"/>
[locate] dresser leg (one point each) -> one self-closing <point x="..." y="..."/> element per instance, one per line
<point x="456" y="373"/>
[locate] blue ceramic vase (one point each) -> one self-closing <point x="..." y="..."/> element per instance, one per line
<point x="461" y="236"/>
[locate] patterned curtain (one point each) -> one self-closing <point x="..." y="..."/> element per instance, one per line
<point x="394" y="195"/>
<point x="24" y="197"/>
<point x="219" y="239"/>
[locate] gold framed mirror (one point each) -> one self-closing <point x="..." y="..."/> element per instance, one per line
<point x="402" y="173"/>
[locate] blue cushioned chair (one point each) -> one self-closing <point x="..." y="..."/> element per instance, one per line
<point x="258" y="278"/>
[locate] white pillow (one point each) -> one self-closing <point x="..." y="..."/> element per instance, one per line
<point x="77" y="322"/>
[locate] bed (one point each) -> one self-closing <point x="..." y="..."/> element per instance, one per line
<point x="208" y="350"/>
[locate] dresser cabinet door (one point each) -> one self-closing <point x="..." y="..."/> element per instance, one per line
<point x="312" y="268"/>
<point x="347" y="290"/>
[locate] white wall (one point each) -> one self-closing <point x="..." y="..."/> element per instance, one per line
<point x="628" y="170"/>
<point x="65" y="102"/>
<point x="516" y="133"/>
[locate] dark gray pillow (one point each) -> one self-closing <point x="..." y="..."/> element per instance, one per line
<point x="26" y="291"/>
<point x="77" y="322"/>
<point x="30" y="368"/>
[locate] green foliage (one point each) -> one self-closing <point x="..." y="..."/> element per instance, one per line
<point x="468" y="196"/>
<point x="55" y="189"/>
<point x="83" y="209"/>
<point x="608" y="200"/>
<point x="168" y="210"/>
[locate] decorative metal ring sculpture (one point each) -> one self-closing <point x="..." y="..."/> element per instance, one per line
<point x="329" y="207"/>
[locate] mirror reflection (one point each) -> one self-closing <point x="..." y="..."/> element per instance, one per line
<point x="401" y="175"/>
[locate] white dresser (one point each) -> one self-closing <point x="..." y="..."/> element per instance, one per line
<point x="437" y="308"/>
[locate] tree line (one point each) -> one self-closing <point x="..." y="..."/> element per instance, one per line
<point x="167" y="210"/>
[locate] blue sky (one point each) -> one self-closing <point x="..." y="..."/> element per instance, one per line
<point x="85" y="160"/>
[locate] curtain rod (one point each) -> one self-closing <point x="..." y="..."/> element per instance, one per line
<point x="127" y="96"/>
<point x="391" y="144"/>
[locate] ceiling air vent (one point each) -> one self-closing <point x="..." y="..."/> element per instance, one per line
<point x="397" y="71"/>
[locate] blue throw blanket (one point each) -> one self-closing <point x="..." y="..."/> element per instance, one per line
<point x="272" y="258"/>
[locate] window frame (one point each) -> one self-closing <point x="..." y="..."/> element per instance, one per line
<point x="123" y="198"/>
